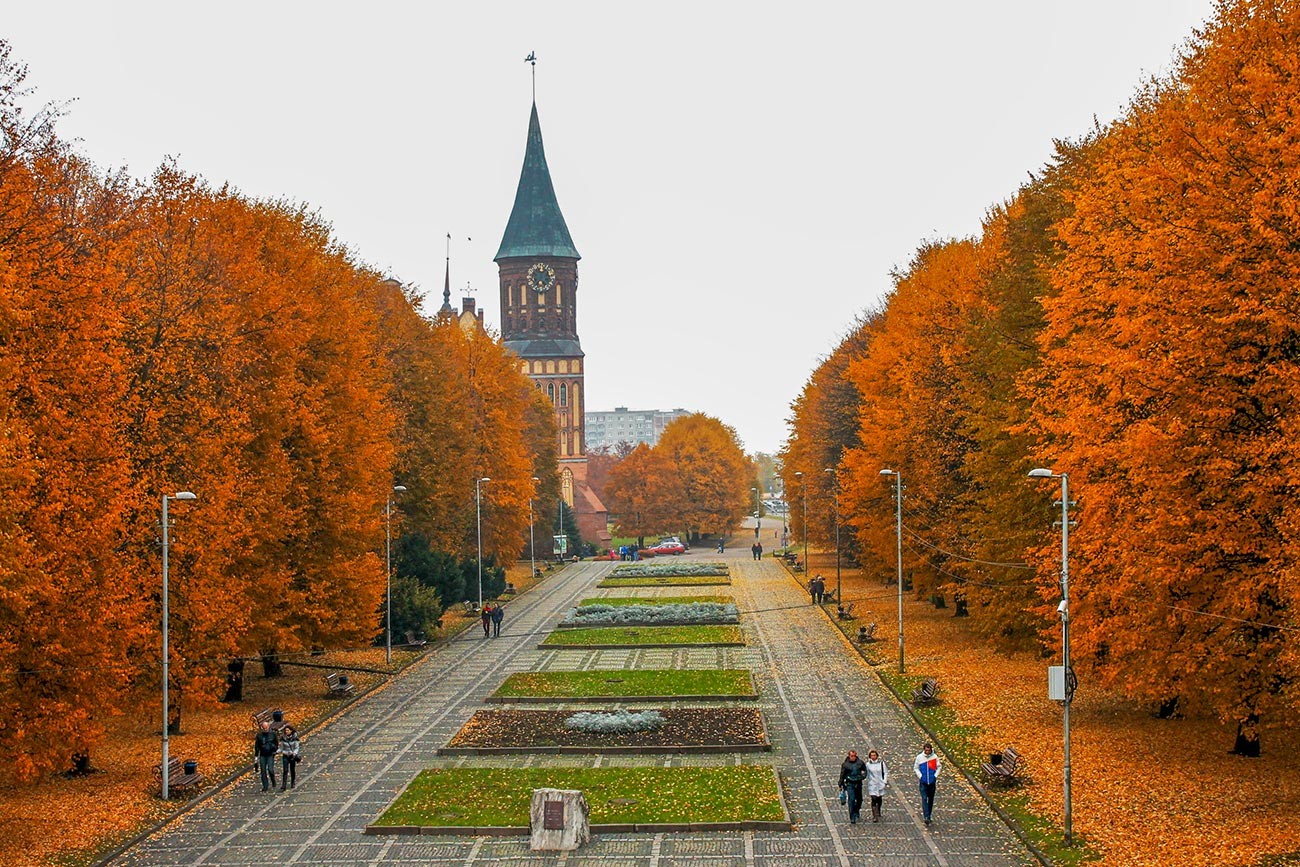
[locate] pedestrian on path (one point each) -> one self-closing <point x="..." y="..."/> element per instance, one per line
<point x="877" y="779"/>
<point x="927" y="771"/>
<point x="852" y="772"/>
<point x="265" y="746"/>
<point x="498" y="614"/>
<point x="486" y="616"/>
<point x="289" y="754"/>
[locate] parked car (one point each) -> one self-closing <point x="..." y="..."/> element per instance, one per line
<point x="668" y="547"/>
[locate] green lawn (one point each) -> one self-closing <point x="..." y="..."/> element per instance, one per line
<point x="656" y="600"/>
<point x="666" y="581"/>
<point x="638" y="636"/>
<point x="632" y="684"/>
<point x="494" y="797"/>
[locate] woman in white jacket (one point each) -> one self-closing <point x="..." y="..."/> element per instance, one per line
<point x="877" y="779"/>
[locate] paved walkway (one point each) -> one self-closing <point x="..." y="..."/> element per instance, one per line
<point x="818" y="700"/>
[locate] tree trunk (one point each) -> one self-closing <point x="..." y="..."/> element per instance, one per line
<point x="234" y="681"/>
<point x="271" y="664"/>
<point x="938" y="601"/>
<point x="174" y="711"/>
<point x="1247" y="738"/>
<point x="959" y="602"/>
<point x="1169" y="709"/>
<point x="80" y="764"/>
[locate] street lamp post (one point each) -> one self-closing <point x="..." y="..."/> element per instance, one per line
<point x="839" y="591"/>
<point x="166" y="668"/>
<point x="804" y="482"/>
<point x="898" y="515"/>
<point x="388" y="572"/>
<point x="1064" y="609"/>
<point x="478" y="522"/>
<point x="532" y="549"/>
<point x="758" y="513"/>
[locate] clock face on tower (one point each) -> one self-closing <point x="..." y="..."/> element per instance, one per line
<point x="540" y="277"/>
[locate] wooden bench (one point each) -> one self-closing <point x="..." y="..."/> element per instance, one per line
<point x="845" y="613"/>
<point x="267" y="714"/>
<point x="866" y="634"/>
<point x="471" y="610"/>
<point x="414" y="640"/>
<point x="177" y="779"/>
<point x="339" y="684"/>
<point x="1004" y="772"/>
<point x="927" y="692"/>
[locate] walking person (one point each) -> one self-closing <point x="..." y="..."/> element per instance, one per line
<point x="758" y="550"/>
<point x="877" y="779"/>
<point x="498" y="614"/>
<point x="265" y="746"/>
<point x="289" y="753"/>
<point x="852" y="772"/>
<point x="926" y="766"/>
<point x="486" y="616"/>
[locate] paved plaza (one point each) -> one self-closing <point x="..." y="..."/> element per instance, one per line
<point x="818" y="697"/>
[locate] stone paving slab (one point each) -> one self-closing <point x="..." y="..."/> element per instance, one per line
<point x="817" y="699"/>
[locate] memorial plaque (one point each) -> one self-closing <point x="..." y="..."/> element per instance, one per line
<point x="553" y="816"/>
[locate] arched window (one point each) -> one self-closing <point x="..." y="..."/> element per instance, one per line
<point x="564" y="394"/>
<point x="550" y="391"/>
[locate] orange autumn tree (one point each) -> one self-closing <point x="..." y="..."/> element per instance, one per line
<point x="69" y="615"/>
<point x="1168" y="387"/>
<point x="714" y="475"/>
<point x="642" y="489"/>
<point x="910" y="411"/>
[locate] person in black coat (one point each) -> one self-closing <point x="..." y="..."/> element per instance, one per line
<point x="852" y="773"/>
<point x="498" y="614"/>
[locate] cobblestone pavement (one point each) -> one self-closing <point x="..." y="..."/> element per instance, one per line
<point x="819" y="700"/>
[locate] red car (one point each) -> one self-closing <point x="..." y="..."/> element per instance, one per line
<point x="668" y="548"/>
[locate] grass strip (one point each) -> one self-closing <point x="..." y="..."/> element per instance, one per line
<point x="655" y="600"/>
<point x="630" y="684"/>
<point x="494" y="797"/>
<point x="667" y="581"/>
<point x="644" y="636"/>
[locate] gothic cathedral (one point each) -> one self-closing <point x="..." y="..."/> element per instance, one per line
<point x="539" y="321"/>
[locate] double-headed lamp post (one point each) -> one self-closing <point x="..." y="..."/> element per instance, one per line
<point x="478" y="522"/>
<point x="1064" y="609"/>
<point x="166" y="668"/>
<point x="898" y="523"/>
<point x="835" y="480"/>
<point x="532" y="556"/>
<point x="804" y="483"/>
<point x="388" y="572"/>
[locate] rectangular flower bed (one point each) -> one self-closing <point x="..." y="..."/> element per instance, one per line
<point x="656" y="570"/>
<point x="671" y="614"/>
<point x="663" y="684"/>
<point x="685" y="729"/>
<point x="646" y="636"/>
<point x="468" y="798"/>
<point x="664" y="581"/>
<point x="655" y="600"/>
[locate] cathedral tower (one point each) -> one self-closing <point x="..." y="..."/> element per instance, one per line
<point x="539" y="319"/>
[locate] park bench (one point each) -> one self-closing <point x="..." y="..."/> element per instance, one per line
<point x="789" y="557"/>
<point x="510" y="588"/>
<point x="414" y="640"/>
<point x="339" y="684"/>
<point x="1005" y="770"/>
<point x="844" y="613"/>
<point x="866" y="634"/>
<point x="177" y="779"/>
<point x="269" y="715"/>
<point x="927" y="692"/>
<point x="471" y="610"/>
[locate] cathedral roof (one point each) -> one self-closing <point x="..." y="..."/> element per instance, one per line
<point x="536" y="226"/>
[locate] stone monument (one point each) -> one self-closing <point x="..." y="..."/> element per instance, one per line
<point x="559" y="820"/>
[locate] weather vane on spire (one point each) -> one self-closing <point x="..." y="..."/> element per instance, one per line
<point x="532" y="58"/>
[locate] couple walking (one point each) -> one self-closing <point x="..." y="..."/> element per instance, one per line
<point x="854" y="771"/>
<point x="271" y="743"/>
<point x="492" y="616"/>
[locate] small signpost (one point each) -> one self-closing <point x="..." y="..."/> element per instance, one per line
<point x="559" y="820"/>
<point x="561" y="545"/>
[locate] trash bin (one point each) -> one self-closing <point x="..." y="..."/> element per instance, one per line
<point x="191" y="766"/>
<point x="995" y="758"/>
<point x="277" y="716"/>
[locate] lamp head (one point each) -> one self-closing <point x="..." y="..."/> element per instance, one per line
<point x="400" y="489"/>
<point x="185" y="495"/>
<point x="888" y="473"/>
<point x="1040" y="473"/>
<point x="798" y="475"/>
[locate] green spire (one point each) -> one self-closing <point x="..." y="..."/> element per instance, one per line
<point x="536" y="226"/>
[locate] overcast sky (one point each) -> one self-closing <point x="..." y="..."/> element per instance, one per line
<point x="739" y="178"/>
